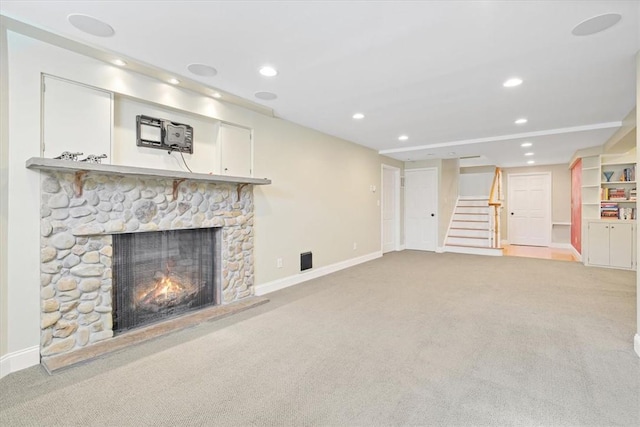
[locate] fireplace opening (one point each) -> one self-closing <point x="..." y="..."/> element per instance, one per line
<point x="162" y="274"/>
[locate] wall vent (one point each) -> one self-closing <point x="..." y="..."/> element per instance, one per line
<point x="306" y="261"/>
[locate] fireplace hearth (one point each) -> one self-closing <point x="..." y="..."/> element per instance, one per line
<point x="162" y="274"/>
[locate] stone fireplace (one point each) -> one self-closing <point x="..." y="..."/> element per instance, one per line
<point x="89" y="210"/>
<point x="158" y="275"/>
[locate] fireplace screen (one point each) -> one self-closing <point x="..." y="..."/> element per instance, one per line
<point x="157" y="275"/>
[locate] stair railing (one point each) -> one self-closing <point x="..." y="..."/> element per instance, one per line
<point x="496" y="199"/>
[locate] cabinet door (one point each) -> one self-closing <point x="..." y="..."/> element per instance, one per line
<point x="235" y="151"/>
<point x="598" y="237"/>
<point x="621" y="245"/>
<point x="76" y="118"/>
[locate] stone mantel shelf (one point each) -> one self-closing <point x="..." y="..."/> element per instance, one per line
<point x="73" y="166"/>
<point x="81" y="169"/>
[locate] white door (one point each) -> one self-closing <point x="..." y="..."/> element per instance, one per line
<point x="529" y="209"/>
<point x="421" y="208"/>
<point x="76" y="118"/>
<point x="235" y="151"/>
<point x="390" y="207"/>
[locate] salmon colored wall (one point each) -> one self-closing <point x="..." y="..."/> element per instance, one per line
<point x="576" y="206"/>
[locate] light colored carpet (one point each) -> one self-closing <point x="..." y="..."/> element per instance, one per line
<point x="410" y="339"/>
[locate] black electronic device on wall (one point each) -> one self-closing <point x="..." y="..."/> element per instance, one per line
<point x="163" y="134"/>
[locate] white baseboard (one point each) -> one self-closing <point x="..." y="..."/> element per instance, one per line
<point x="636" y="344"/>
<point x="440" y="250"/>
<point x="18" y="360"/>
<point x="402" y="248"/>
<point x="576" y="254"/>
<point x="504" y="242"/>
<point x="561" y="245"/>
<point x="285" y="282"/>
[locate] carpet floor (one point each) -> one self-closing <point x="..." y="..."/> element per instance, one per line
<point x="412" y="338"/>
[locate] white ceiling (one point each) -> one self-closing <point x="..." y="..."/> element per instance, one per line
<point x="430" y="70"/>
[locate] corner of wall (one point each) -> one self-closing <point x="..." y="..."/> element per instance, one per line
<point x="4" y="185"/>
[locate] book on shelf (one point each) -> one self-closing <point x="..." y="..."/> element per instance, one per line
<point x="627" y="213"/>
<point x="632" y="194"/>
<point x="628" y="174"/>
<point x="616" y="194"/>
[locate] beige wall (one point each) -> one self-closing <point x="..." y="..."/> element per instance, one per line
<point x="560" y="199"/>
<point x="320" y="199"/>
<point x="447" y="196"/>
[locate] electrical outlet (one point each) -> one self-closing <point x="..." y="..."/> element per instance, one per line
<point x="279" y="263"/>
<point x="355" y="246"/>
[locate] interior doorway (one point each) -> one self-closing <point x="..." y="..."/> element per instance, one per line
<point x="529" y="209"/>
<point x="421" y="208"/>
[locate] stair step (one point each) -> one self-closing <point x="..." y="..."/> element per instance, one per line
<point x="474" y="250"/>
<point x="480" y="242"/>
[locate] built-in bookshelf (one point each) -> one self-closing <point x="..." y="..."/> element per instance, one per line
<point x="618" y="187"/>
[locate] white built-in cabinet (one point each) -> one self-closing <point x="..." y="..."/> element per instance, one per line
<point x="611" y="243"/>
<point x="607" y="242"/>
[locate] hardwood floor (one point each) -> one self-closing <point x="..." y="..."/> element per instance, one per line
<point x="539" y="252"/>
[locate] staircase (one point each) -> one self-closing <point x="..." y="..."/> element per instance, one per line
<point x="471" y="230"/>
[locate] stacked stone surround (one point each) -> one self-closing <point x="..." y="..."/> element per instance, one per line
<point x="76" y="244"/>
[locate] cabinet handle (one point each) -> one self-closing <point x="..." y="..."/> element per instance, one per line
<point x="612" y="227"/>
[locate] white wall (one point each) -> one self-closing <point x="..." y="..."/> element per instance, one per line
<point x="126" y="152"/>
<point x="4" y="193"/>
<point x="319" y="199"/>
<point x="637" y="337"/>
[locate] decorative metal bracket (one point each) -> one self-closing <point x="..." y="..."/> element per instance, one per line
<point x="240" y="187"/>
<point x="176" y="184"/>
<point x="78" y="182"/>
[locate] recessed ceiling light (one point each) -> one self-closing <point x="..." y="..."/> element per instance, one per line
<point x="268" y="71"/>
<point x="530" y="162"/>
<point x="528" y="154"/>
<point x="119" y="62"/>
<point x="596" y="24"/>
<point x="91" y="25"/>
<point x="202" y="70"/>
<point x="403" y="137"/>
<point x="358" y="116"/>
<point x="216" y="95"/>
<point x="513" y="82"/>
<point x="521" y="121"/>
<point x="526" y="144"/>
<point x="174" y="81"/>
<point x="266" y="96"/>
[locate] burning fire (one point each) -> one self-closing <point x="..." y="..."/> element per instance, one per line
<point x="166" y="290"/>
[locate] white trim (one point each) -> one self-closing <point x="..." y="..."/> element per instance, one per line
<point x="504" y="242"/>
<point x="595" y="126"/>
<point x="440" y="250"/>
<point x="285" y="282"/>
<point x="18" y="360"/>
<point x="396" y="202"/>
<point x="474" y="251"/>
<point x="636" y="344"/>
<point x="576" y="254"/>
<point x="402" y="247"/>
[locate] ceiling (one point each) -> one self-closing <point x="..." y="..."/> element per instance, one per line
<point x="433" y="71"/>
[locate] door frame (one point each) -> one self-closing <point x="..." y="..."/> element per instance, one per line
<point x="396" y="202"/>
<point x="549" y="189"/>
<point x="437" y="198"/>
